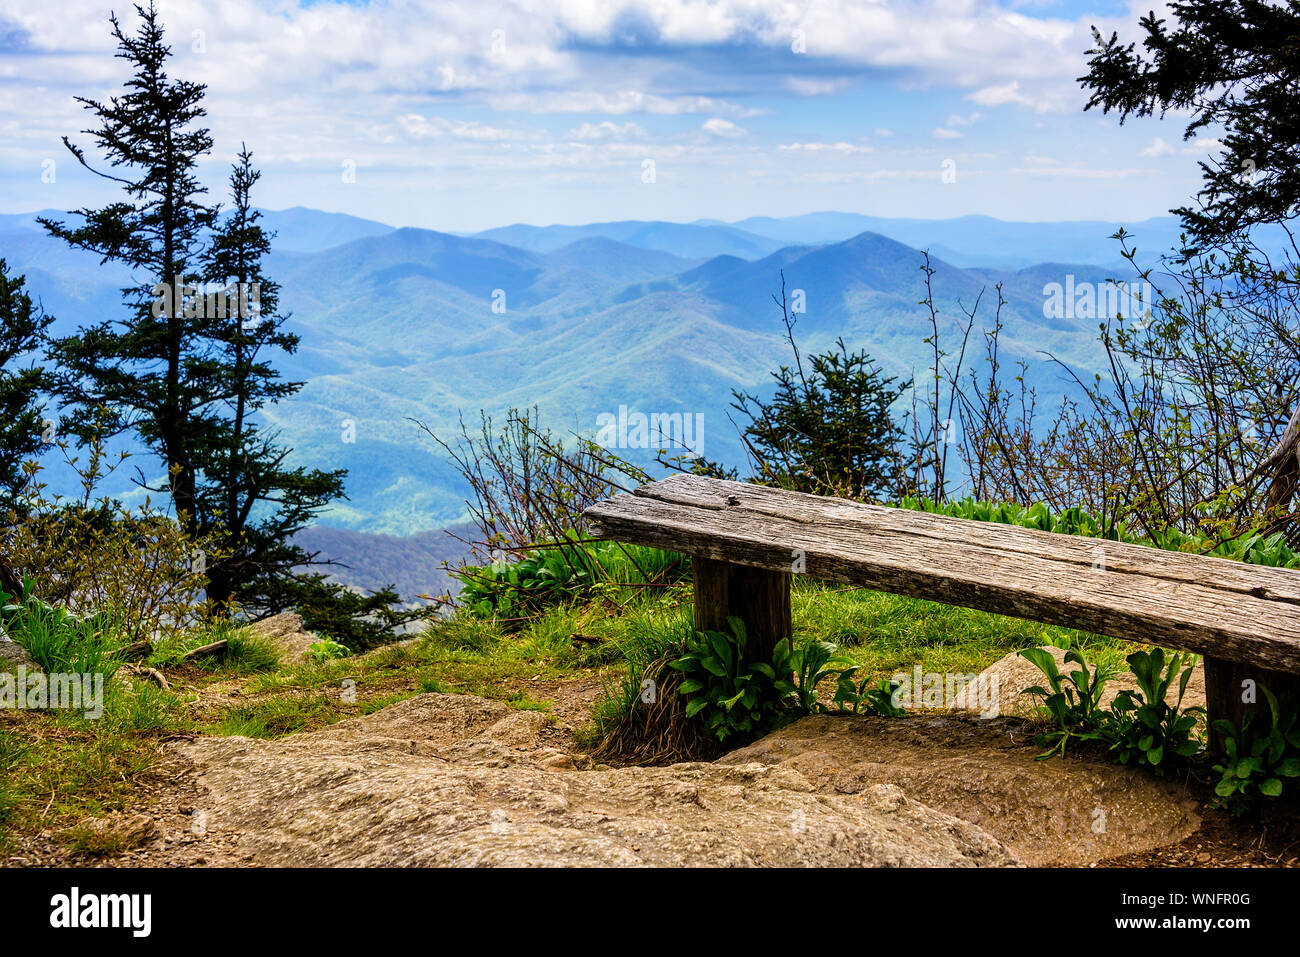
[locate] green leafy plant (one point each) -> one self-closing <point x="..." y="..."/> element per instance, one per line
<point x="326" y="650"/>
<point x="541" y="578"/>
<point x="862" y="698"/>
<point x="1141" y="726"/>
<point x="1073" y="699"/>
<point x="733" y="699"/>
<point x="1256" y="761"/>
<point x="811" y="662"/>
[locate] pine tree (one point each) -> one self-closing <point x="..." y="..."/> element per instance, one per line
<point x="151" y="372"/>
<point x="246" y="488"/>
<point x="828" y="430"/>
<point x="23" y="384"/>
<point x="187" y="369"/>
<point x="1227" y="64"/>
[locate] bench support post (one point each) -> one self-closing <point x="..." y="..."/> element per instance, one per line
<point x="759" y="598"/>
<point x="1227" y="683"/>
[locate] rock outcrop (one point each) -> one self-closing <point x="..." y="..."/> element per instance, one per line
<point x="459" y="780"/>
<point x="1060" y="812"/>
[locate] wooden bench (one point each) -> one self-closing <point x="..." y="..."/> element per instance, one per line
<point x="746" y="541"/>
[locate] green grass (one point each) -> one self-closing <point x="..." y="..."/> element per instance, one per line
<point x="246" y="652"/>
<point x="889" y="633"/>
<point x="277" y="717"/>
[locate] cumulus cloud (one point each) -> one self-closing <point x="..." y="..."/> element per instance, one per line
<point x="446" y="92"/>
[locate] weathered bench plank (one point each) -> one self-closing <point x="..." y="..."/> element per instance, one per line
<point x="1215" y="607"/>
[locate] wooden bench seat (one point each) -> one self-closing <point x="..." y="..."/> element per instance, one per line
<point x="747" y="540"/>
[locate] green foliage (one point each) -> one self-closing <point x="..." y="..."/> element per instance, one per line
<point x="58" y="640"/>
<point x="86" y="552"/>
<point x="1142" y="726"/>
<point x="541" y="578"/>
<point x="326" y="650"/>
<point x="359" y="621"/>
<point x="1073" y="699"/>
<point x="22" y="432"/>
<point x="1252" y="547"/>
<point x="188" y="370"/>
<point x="1258" y="760"/>
<point x="1220" y="64"/>
<point x="863" y="698"/>
<point x="827" y="429"/>
<point x="735" y="699"/>
<point x="567" y="572"/>
<point x="811" y="662"/>
<point x="1071" y="521"/>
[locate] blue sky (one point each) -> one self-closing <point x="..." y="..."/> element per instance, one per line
<point x="466" y="115"/>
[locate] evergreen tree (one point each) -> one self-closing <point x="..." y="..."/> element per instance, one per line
<point x="829" y="430"/>
<point x="1229" y="64"/>
<point x="186" y="370"/>
<point x="22" y="384"/>
<point x="153" y="371"/>
<point x="246" y="489"/>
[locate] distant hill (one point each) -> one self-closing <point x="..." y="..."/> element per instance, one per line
<point x="400" y="326"/>
<point x="411" y="563"/>
<point x="974" y="240"/>
<point x="693" y="241"/>
<point x="299" y="229"/>
<point x="622" y="261"/>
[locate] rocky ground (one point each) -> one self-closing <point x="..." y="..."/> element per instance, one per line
<point x="452" y="779"/>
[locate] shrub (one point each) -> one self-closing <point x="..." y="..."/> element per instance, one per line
<point x="326" y="650"/>
<point x="733" y="698"/>
<point x="1073" y="700"/>
<point x="88" y="554"/>
<point x="544" y="577"/>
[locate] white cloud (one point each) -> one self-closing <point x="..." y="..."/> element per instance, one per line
<point x="615" y="104"/>
<point x="1200" y="147"/>
<point x="940" y="133"/>
<point x="1046" y="98"/>
<point x="805" y="86"/>
<point x="816" y="147"/>
<point x="1157" y="147"/>
<point x="607" y="130"/>
<point x="424" y="127"/>
<point x="724" y="128"/>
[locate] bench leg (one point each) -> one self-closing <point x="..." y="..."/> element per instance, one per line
<point x="1227" y="683"/>
<point x="759" y="598"/>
